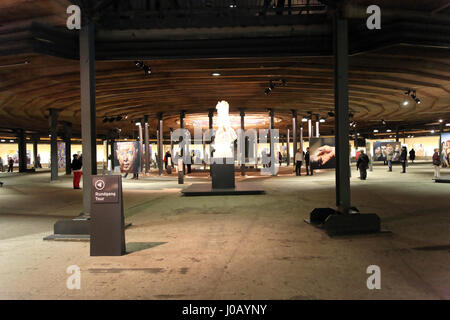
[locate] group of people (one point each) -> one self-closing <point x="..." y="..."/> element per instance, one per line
<point x="10" y="165"/>
<point x="300" y="157"/>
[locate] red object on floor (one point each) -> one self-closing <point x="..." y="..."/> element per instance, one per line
<point x="76" y="179"/>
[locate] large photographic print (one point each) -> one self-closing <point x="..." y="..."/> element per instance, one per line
<point x="381" y="149"/>
<point x="445" y="140"/>
<point x="127" y="156"/>
<point x="323" y="153"/>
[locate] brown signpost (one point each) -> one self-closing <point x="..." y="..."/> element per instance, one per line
<point x="107" y="218"/>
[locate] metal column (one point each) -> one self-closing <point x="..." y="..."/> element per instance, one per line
<point x="288" y="155"/>
<point x="23" y="151"/>
<point x="272" y="143"/>
<point x="67" y="141"/>
<point x="294" y="133"/>
<point x="146" y="145"/>
<point x="53" y="144"/>
<point x="242" y="141"/>
<point x="160" y="144"/>
<point x="340" y="45"/>
<point x="35" y="150"/>
<point x="88" y="119"/>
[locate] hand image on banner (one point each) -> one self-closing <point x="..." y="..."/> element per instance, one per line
<point x="323" y="153"/>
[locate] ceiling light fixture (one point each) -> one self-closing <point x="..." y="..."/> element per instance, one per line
<point x="215" y="74"/>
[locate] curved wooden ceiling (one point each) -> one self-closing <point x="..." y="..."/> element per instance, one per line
<point x="377" y="81"/>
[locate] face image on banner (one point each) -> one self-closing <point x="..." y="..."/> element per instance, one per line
<point x="383" y="150"/>
<point x="323" y="153"/>
<point x="445" y="139"/>
<point x="127" y="156"/>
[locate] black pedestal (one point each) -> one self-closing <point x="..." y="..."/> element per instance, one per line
<point x="222" y="175"/>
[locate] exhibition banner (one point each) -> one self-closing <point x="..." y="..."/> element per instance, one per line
<point x="445" y="140"/>
<point x="128" y="156"/>
<point x="381" y="149"/>
<point x="323" y="153"/>
<point x="61" y="154"/>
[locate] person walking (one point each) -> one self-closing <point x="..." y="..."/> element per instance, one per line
<point x="308" y="163"/>
<point x="404" y="158"/>
<point x="389" y="156"/>
<point x="76" y="165"/>
<point x="437" y="163"/>
<point x="280" y="158"/>
<point x="10" y="165"/>
<point x="362" y="164"/>
<point x="298" y="162"/>
<point x="412" y="155"/>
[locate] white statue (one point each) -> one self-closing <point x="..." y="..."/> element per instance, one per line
<point x="225" y="134"/>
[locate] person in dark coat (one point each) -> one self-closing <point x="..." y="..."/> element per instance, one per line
<point x="362" y="164"/>
<point x="404" y="158"/>
<point x="308" y="163"/>
<point x="77" y="164"/>
<point x="412" y="155"/>
<point x="10" y="165"/>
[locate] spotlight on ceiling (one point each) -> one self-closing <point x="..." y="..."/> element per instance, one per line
<point x="383" y="122"/>
<point x="304" y="119"/>
<point x="111" y="119"/>
<point x="105" y="119"/>
<point x="447" y="124"/>
<point x="405" y="103"/>
<point x="126" y="116"/>
<point x="215" y="74"/>
<point x="267" y="91"/>
<point x="118" y="118"/>
<point x="331" y="114"/>
<point x="273" y="84"/>
<point x="432" y="131"/>
<point x="143" y="66"/>
<point x="375" y="130"/>
<point x="440" y="120"/>
<point x="388" y="130"/>
<point x="322" y="120"/>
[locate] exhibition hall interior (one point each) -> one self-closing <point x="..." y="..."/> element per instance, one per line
<point x="224" y="150"/>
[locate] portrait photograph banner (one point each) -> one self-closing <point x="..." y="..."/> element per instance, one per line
<point x="382" y="148"/>
<point x="323" y="153"/>
<point x="445" y="140"/>
<point x="127" y="156"/>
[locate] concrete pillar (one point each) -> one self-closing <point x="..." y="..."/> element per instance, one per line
<point x="310" y="129"/>
<point x="22" y="144"/>
<point x="294" y="133"/>
<point x="340" y="45"/>
<point x="53" y="144"/>
<point x="141" y="142"/>
<point x="171" y="143"/>
<point x="317" y="127"/>
<point x="146" y="145"/>
<point x="88" y="110"/>
<point x="440" y="138"/>
<point x="288" y="155"/>
<point x="182" y="115"/>
<point x="242" y="140"/>
<point x="160" y="144"/>
<point x="67" y="141"/>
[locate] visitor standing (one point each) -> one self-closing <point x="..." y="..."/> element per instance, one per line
<point x="362" y="164"/>
<point x="280" y="158"/>
<point x="389" y="156"/>
<point x="437" y="163"/>
<point x="10" y="165"/>
<point x="412" y="155"/>
<point x="308" y="163"/>
<point x="404" y="158"/>
<point x="77" y="164"/>
<point x="2" y="169"/>
<point x="298" y="162"/>
<point x="167" y="157"/>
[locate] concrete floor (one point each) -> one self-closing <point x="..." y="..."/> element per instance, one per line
<point x="232" y="247"/>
